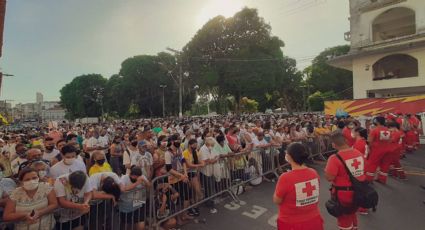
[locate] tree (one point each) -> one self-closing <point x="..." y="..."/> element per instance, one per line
<point x="82" y="97"/>
<point x="317" y="100"/>
<point x="288" y="83"/>
<point x="248" y="105"/>
<point x="236" y="56"/>
<point x="141" y="77"/>
<point x="323" y="77"/>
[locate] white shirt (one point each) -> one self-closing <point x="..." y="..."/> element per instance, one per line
<point x="61" y="168"/>
<point x="131" y="200"/>
<point x="10" y="147"/>
<point x="63" y="189"/>
<point x="256" y="142"/>
<point x="95" y="179"/>
<point x="206" y="154"/>
<point x="16" y="163"/>
<point x="50" y="156"/>
<point x="92" y="142"/>
<point x="103" y="141"/>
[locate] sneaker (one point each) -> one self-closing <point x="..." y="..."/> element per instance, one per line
<point x="213" y="211"/>
<point x="191" y="212"/>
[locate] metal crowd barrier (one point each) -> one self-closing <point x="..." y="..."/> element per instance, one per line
<point x="168" y="200"/>
<point x="171" y="199"/>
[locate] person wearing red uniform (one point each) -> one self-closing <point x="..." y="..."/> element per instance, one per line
<point x="348" y="134"/>
<point x="297" y="193"/>
<point x="380" y="151"/>
<point x="360" y="135"/>
<point x="361" y="145"/>
<point x="397" y="146"/>
<point x="341" y="184"/>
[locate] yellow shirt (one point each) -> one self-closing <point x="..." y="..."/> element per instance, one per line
<point x="98" y="169"/>
<point x="187" y="155"/>
<point x="321" y="131"/>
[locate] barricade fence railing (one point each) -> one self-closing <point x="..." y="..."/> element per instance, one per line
<point x="169" y="198"/>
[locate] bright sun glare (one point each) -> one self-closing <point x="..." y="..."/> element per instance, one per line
<point x="226" y="8"/>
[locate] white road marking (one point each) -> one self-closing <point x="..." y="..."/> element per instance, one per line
<point x="273" y="221"/>
<point x="234" y="206"/>
<point x="256" y="212"/>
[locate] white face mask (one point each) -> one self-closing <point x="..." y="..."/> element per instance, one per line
<point x="42" y="174"/>
<point x="31" y="184"/>
<point x="68" y="161"/>
<point x="352" y="135"/>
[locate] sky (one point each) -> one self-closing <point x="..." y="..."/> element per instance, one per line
<point x="49" y="42"/>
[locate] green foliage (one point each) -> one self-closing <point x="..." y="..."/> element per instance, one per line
<point x="235" y="56"/>
<point x="323" y="77"/>
<point x="248" y="105"/>
<point x="317" y="100"/>
<point x="82" y="97"/>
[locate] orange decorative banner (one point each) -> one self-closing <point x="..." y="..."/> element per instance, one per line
<point x="375" y="106"/>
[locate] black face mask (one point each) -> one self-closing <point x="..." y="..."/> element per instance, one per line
<point x="134" y="143"/>
<point x="133" y="180"/>
<point x="22" y="154"/>
<point x="100" y="162"/>
<point x="177" y="144"/>
<point x="50" y="148"/>
<point x="193" y="150"/>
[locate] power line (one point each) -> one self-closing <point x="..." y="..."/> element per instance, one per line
<point x="305" y="6"/>
<point x="236" y="59"/>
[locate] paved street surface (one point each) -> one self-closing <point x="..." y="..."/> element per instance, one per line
<point x="400" y="206"/>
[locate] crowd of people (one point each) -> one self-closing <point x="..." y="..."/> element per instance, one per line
<point x="52" y="175"/>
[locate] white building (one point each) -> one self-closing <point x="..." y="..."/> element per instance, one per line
<point x="39" y="98"/>
<point x="45" y="105"/>
<point x="387" y="53"/>
<point x="26" y="111"/>
<point x="53" y="114"/>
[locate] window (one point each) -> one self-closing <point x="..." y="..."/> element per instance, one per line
<point x="395" y="66"/>
<point x="393" y="23"/>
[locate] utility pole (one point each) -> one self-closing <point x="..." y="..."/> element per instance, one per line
<point x="180" y="84"/>
<point x="180" y="88"/>
<point x="163" y="99"/>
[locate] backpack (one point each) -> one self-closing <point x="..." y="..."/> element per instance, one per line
<point x="364" y="195"/>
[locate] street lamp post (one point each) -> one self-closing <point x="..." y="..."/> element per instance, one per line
<point x="163" y="99"/>
<point x="180" y="84"/>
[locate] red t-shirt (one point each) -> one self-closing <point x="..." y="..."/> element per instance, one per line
<point x="396" y="139"/>
<point x="299" y="190"/>
<point x="348" y="137"/>
<point x="355" y="163"/>
<point x="381" y="137"/>
<point x="360" y="145"/>
<point x="232" y="139"/>
<point x="399" y="120"/>
<point x="414" y="122"/>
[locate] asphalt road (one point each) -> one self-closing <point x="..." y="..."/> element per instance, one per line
<point x="400" y="206"/>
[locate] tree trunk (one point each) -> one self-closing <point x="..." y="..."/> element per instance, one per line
<point x="287" y="104"/>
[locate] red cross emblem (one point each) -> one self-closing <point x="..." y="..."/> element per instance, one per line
<point x="309" y="189"/>
<point x="356" y="164"/>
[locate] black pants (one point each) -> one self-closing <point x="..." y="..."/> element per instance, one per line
<point x="210" y="187"/>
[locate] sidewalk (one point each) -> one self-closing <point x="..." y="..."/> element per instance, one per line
<point x="400" y="205"/>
